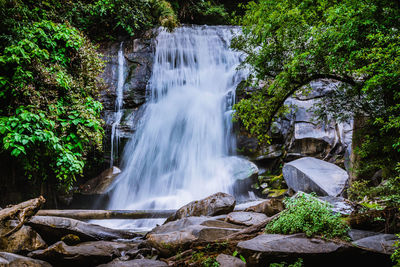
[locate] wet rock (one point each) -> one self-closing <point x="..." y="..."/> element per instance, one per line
<point x="229" y="261"/>
<point x="314" y="175"/>
<point x="53" y="229"/>
<point x="246" y="218"/>
<point x="381" y="243"/>
<point x="356" y="234"/>
<point x="22" y="241"/>
<point x="216" y="204"/>
<point x="269" y="207"/>
<point x="339" y="204"/>
<point x="14" y="260"/>
<point x="175" y="235"/>
<point x="134" y="263"/>
<point x="84" y="254"/>
<point x="100" y="184"/>
<point x="244" y="174"/>
<point x="265" y="249"/>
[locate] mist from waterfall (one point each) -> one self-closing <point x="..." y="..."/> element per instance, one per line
<point x="178" y="153"/>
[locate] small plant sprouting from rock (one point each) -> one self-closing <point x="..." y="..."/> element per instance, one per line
<point x="306" y="214"/>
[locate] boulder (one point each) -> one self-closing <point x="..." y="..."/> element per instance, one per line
<point x="99" y="185"/>
<point x="246" y="218"/>
<point x="84" y="254"/>
<point x="381" y="243"/>
<point x="314" y="175"/>
<point x="216" y="204"/>
<point x="22" y="241"/>
<point x="244" y="174"/>
<point x="134" y="263"/>
<point x="269" y="248"/>
<point x="175" y="235"/>
<point x="229" y="261"/>
<point x="269" y="207"/>
<point x="14" y="260"/>
<point x="356" y="234"/>
<point x="339" y="204"/>
<point x="52" y="229"/>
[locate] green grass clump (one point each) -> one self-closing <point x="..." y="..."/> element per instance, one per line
<point x="306" y="214"/>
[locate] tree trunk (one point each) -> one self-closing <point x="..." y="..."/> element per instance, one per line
<point x="107" y="214"/>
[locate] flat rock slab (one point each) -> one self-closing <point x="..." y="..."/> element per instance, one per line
<point x="313" y="175"/>
<point x="135" y="263"/>
<point x="246" y="218"/>
<point x="381" y="243"/>
<point x="14" y="260"/>
<point x="269" y="248"/>
<point x="84" y="254"/>
<point x="229" y="261"/>
<point x="53" y="229"/>
<point x="356" y="234"/>
<point x="216" y="204"/>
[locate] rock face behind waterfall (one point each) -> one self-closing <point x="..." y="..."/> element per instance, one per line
<point x="297" y="134"/>
<point x="314" y="175"/>
<point x="139" y="57"/>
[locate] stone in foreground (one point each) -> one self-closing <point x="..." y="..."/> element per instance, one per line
<point x="229" y="261"/>
<point x="53" y="229"/>
<point x="314" y="175"/>
<point x="14" y="260"/>
<point x="135" y="263"/>
<point x="84" y="254"/>
<point x="269" y="248"/>
<point x="381" y="243"/>
<point x="246" y="218"/>
<point x="216" y="204"/>
<point x="22" y="241"/>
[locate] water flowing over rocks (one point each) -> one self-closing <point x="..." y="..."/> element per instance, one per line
<point x="314" y="175"/>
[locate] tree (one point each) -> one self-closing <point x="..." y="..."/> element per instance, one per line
<point x="290" y="43"/>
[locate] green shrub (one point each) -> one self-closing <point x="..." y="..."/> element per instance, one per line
<point x="298" y="263"/>
<point x="306" y="214"/>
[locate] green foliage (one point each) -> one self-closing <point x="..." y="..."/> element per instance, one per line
<point x="396" y="254"/>
<point x="236" y="253"/>
<point x="49" y="118"/>
<point x="306" y="214"/>
<point x="290" y="43"/>
<point x="298" y="263"/>
<point x="386" y="194"/>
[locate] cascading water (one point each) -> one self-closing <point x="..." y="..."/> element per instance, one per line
<point x="178" y="154"/>
<point x="118" y="105"/>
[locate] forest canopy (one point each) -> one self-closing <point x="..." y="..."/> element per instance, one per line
<point x="290" y="43"/>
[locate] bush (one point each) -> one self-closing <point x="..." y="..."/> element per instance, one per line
<point x="306" y="214"/>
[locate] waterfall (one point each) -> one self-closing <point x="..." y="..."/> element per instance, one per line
<point x="178" y="153"/>
<point x="118" y="105"/>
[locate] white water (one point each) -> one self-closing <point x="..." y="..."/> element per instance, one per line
<point x="177" y="154"/>
<point x="118" y="105"/>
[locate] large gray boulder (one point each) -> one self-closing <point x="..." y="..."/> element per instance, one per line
<point x="84" y="254"/>
<point x="14" y="260"/>
<point x="53" y="229"/>
<point x="244" y="174"/>
<point x="314" y="175"/>
<point x="216" y="204"/>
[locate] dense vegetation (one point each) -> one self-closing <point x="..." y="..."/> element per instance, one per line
<point x="291" y="42"/>
<point x="306" y="214"/>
